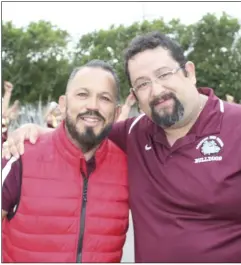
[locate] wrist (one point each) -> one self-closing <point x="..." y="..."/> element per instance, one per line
<point x="126" y="107"/>
<point x="7" y="92"/>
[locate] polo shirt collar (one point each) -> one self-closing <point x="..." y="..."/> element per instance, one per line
<point x="208" y="122"/>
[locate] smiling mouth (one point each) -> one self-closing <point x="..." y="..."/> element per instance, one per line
<point x="91" y="120"/>
<point x="163" y="102"/>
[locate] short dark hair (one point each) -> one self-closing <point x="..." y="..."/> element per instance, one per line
<point x="151" y="41"/>
<point x="99" y="64"/>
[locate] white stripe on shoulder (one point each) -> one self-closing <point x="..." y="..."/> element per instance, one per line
<point x="221" y="105"/>
<point x="7" y="168"/>
<point x="135" y="121"/>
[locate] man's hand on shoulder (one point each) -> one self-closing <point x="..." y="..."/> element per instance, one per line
<point x="15" y="142"/>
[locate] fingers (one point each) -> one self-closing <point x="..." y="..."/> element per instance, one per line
<point x="29" y="132"/>
<point x="20" y="148"/>
<point x="15" y="142"/>
<point x="5" y="151"/>
<point x="20" y="143"/>
<point x="8" y="85"/>
<point x="33" y="135"/>
<point x="13" y="147"/>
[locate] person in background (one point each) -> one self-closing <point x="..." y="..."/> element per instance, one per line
<point x="9" y="113"/>
<point x="13" y="111"/>
<point x="230" y="98"/>
<point x="8" y="88"/>
<point x="66" y="198"/>
<point x="5" y="123"/>
<point x="53" y="116"/>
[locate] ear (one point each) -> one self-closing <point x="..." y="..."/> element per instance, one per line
<point x="191" y="74"/>
<point x="117" y="112"/>
<point x="62" y="105"/>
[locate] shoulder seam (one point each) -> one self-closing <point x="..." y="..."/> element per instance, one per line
<point x="221" y="105"/>
<point x="7" y="168"/>
<point x="136" y="121"/>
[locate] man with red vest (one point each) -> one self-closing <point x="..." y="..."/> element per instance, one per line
<point x="66" y="198"/>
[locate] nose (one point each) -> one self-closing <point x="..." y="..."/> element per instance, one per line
<point x="157" y="88"/>
<point x="92" y="103"/>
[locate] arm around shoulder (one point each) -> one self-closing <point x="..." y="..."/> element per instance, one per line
<point x="119" y="133"/>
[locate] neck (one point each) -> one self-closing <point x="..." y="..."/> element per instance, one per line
<point x="88" y="155"/>
<point x="180" y="129"/>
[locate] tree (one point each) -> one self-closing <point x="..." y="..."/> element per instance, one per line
<point x="212" y="44"/>
<point x="35" y="60"/>
<point x="216" y="50"/>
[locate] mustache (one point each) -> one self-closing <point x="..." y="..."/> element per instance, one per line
<point x="163" y="97"/>
<point x="91" y="113"/>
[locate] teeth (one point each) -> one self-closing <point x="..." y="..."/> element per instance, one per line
<point x="90" y="119"/>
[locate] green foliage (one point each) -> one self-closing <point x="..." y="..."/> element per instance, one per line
<point x="37" y="61"/>
<point x="216" y="51"/>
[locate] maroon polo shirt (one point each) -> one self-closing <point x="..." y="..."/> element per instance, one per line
<point x="186" y="199"/>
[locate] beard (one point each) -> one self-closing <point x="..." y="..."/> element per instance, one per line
<point x="167" y="119"/>
<point x="86" y="140"/>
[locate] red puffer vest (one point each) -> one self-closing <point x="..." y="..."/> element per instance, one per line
<point x="63" y="215"/>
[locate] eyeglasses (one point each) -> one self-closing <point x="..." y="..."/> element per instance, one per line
<point x="146" y="85"/>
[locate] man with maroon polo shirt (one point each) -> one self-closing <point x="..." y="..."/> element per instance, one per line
<point x="184" y="159"/>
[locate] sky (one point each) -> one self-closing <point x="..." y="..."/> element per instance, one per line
<point x="79" y="18"/>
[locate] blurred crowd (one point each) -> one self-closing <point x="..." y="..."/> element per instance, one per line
<point x="11" y="112"/>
